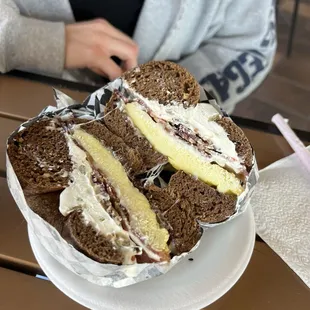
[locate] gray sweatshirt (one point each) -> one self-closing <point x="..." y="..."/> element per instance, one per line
<point x="228" y="45"/>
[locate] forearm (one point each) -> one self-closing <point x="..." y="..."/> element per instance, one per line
<point x="30" y="43"/>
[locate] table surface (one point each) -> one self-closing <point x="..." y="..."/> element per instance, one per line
<point x="267" y="283"/>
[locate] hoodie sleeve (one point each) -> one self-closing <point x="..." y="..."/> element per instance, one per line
<point x="28" y="43"/>
<point x="238" y="57"/>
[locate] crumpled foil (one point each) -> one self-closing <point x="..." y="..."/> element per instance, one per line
<point x="100" y="274"/>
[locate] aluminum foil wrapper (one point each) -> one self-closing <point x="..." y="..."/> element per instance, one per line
<point x="99" y="98"/>
<point x="100" y="274"/>
<point x="244" y="199"/>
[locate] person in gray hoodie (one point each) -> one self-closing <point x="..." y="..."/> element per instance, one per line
<point x="228" y="45"/>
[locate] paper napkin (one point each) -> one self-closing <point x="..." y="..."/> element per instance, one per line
<point x="281" y="205"/>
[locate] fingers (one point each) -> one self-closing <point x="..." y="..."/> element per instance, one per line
<point x="116" y="73"/>
<point x="124" y="51"/>
<point x="92" y="44"/>
<point x="105" y="26"/>
<point x="107" y="67"/>
<point x="129" y="64"/>
<point x="103" y="51"/>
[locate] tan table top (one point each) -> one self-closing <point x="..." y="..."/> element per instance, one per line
<point x="267" y="283"/>
<point x="20" y="291"/>
<point x="26" y="99"/>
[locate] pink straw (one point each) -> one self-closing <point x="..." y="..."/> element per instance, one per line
<point x="293" y="140"/>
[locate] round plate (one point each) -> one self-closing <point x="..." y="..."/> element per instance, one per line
<point x="197" y="281"/>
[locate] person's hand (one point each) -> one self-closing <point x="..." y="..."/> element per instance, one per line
<point x="92" y="44"/>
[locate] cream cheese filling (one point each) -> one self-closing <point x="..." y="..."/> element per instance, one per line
<point x="82" y="194"/>
<point x="142" y="219"/>
<point x="181" y="155"/>
<point x="201" y="120"/>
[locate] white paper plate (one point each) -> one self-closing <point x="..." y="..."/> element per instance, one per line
<point x="217" y="264"/>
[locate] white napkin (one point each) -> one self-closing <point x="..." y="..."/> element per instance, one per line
<point x="281" y="205"/>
